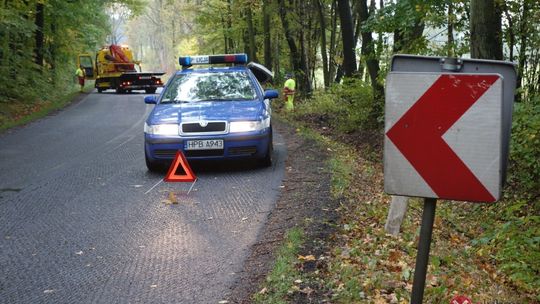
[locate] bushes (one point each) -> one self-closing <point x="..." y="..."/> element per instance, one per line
<point x="345" y="107"/>
<point x="513" y="227"/>
<point x="525" y="149"/>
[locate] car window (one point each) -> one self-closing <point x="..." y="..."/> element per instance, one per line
<point x="215" y="86"/>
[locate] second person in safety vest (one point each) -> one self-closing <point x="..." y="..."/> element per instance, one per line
<point x="80" y="76"/>
<point x="288" y="92"/>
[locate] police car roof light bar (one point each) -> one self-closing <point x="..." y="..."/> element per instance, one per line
<point x="188" y="61"/>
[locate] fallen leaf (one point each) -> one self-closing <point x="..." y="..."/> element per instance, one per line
<point x="244" y="219"/>
<point x="307" y="258"/>
<point x="394" y="256"/>
<point x="153" y="286"/>
<point x="379" y="300"/>
<point x="79" y="252"/>
<point x="173" y="198"/>
<point x="298" y="281"/>
<point x="263" y="291"/>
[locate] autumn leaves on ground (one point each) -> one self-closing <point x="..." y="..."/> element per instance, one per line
<point x="363" y="264"/>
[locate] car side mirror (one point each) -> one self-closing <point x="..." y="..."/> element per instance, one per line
<point x="271" y="94"/>
<point x="150" y="99"/>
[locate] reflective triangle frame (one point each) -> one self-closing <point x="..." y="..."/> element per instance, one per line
<point x="180" y="159"/>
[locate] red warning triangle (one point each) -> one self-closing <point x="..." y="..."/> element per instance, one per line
<point x="180" y="159"/>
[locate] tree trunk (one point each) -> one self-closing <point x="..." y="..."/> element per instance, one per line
<point x="511" y="32"/>
<point x="347" y="34"/>
<point x="267" y="34"/>
<point x="522" y="44"/>
<point x="39" y="35"/>
<point x="4" y="62"/>
<point x="251" y="35"/>
<point x="304" y="57"/>
<point x="324" y="55"/>
<point x="368" y="53"/>
<point x="450" y="30"/>
<point x="53" y="52"/>
<point x="486" y="32"/>
<point x="225" y="38"/>
<point x="332" y="66"/>
<point x="404" y="37"/>
<point x="231" y="46"/>
<point x="296" y="55"/>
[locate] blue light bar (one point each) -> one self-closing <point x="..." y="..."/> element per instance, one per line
<point x="213" y="59"/>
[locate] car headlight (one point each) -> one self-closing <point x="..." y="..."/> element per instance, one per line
<point x="165" y="129"/>
<point x="248" y="126"/>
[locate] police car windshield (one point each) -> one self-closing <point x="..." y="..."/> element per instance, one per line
<point x="209" y="86"/>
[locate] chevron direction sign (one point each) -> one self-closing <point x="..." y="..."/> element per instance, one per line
<point x="443" y="135"/>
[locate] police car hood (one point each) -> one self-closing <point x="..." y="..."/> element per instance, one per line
<point x="207" y="110"/>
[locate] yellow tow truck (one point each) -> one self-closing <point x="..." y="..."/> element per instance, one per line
<point x="114" y="68"/>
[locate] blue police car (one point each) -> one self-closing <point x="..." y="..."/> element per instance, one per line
<point x="216" y="112"/>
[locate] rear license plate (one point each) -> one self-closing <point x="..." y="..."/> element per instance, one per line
<point x="206" y="144"/>
<point x="145" y="77"/>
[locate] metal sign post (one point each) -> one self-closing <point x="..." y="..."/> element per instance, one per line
<point x="422" y="256"/>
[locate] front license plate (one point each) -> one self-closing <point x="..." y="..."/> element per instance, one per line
<point x="206" y="144"/>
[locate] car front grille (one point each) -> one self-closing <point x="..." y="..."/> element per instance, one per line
<point x="200" y="153"/>
<point x="242" y="151"/>
<point x="165" y="153"/>
<point x="212" y="127"/>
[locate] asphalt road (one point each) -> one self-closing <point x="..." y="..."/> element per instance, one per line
<point x="77" y="227"/>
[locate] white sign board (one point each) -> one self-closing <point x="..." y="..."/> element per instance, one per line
<point x="443" y="135"/>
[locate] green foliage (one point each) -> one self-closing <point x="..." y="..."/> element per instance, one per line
<point x="69" y="28"/>
<point x="346" y="107"/>
<point x="525" y="148"/>
<point x="515" y="245"/>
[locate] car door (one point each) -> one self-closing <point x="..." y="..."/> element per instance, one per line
<point x="85" y="60"/>
<point x="261" y="72"/>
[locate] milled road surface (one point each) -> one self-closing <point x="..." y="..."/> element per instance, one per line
<point x="77" y="227"/>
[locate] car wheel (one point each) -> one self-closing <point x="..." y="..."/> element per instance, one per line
<point x="152" y="165"/>
<point x="120" y="91"/>
<point x="150" y="91"/>
<point x="99" y="90"/>
<point x="266" y="161"/>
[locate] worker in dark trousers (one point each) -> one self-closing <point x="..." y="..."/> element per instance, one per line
<point x="80" y="76"/>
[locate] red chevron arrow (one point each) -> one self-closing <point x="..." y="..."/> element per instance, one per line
<point x="418" y="136"/>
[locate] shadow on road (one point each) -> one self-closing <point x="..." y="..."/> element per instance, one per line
<point x="215" y="166"/>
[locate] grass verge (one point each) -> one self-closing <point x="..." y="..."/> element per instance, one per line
<point x="17" y="113"/>
<point x="284" y="274"/>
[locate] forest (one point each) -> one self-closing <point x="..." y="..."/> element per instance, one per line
<point x="339" y="52"/>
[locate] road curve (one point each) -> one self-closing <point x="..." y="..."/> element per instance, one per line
<point x="77" y="227"/>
